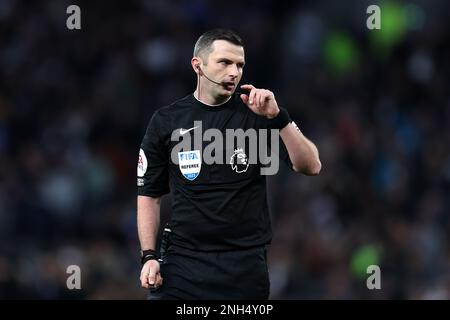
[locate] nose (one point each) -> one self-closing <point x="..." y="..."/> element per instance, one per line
<point x="234" y="71"/>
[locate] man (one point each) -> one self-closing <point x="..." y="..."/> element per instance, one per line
<point x="220" y="222"/>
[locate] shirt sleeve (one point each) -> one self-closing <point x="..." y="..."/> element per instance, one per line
<point x="153" y="161"/>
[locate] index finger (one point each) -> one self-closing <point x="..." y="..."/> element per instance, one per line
<point x="248" y="86"/>
<point x="152" y="276"/>
<point x="144" y="281"/>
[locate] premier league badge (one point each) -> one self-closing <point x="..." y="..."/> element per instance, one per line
<point x="239" y="161"/>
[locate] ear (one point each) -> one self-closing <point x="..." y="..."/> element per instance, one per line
<point x="196" y="62"/>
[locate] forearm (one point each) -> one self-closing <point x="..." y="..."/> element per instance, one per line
<point x="148" y="217"/>
<point x="302" y="152"/>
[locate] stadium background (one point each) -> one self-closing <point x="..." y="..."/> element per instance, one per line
<point x="74" y="106"/>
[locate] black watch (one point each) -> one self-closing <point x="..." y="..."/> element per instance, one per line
<point x="147" y="255"/>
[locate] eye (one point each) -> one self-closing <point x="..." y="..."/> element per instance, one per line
<point x="225" y="62"/>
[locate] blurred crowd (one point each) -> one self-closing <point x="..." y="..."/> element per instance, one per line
<point x="74" y="105"/>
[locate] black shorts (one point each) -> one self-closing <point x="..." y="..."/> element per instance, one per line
<point x="193" y="275"/>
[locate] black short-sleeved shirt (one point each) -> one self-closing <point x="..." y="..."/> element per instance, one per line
<point x="214" y="206"/>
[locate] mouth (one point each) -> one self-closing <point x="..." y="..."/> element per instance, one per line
<point x="229" y="86"/>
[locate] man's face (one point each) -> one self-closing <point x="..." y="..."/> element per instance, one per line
<point x="225" y="63"/>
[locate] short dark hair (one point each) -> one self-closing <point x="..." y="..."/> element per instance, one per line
<point x="204" y="43"/>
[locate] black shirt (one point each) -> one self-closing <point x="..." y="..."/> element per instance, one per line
<point x="215" y="206"/>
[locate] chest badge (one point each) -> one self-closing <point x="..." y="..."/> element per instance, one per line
<point x="239" y="161"/>
<point x="190" y="163"/>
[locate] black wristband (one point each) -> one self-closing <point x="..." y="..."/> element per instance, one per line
<point x="281" y="120"/>
<point x="147" y="255"/>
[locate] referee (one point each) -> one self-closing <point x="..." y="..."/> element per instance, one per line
<point x="220" y="222"/>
